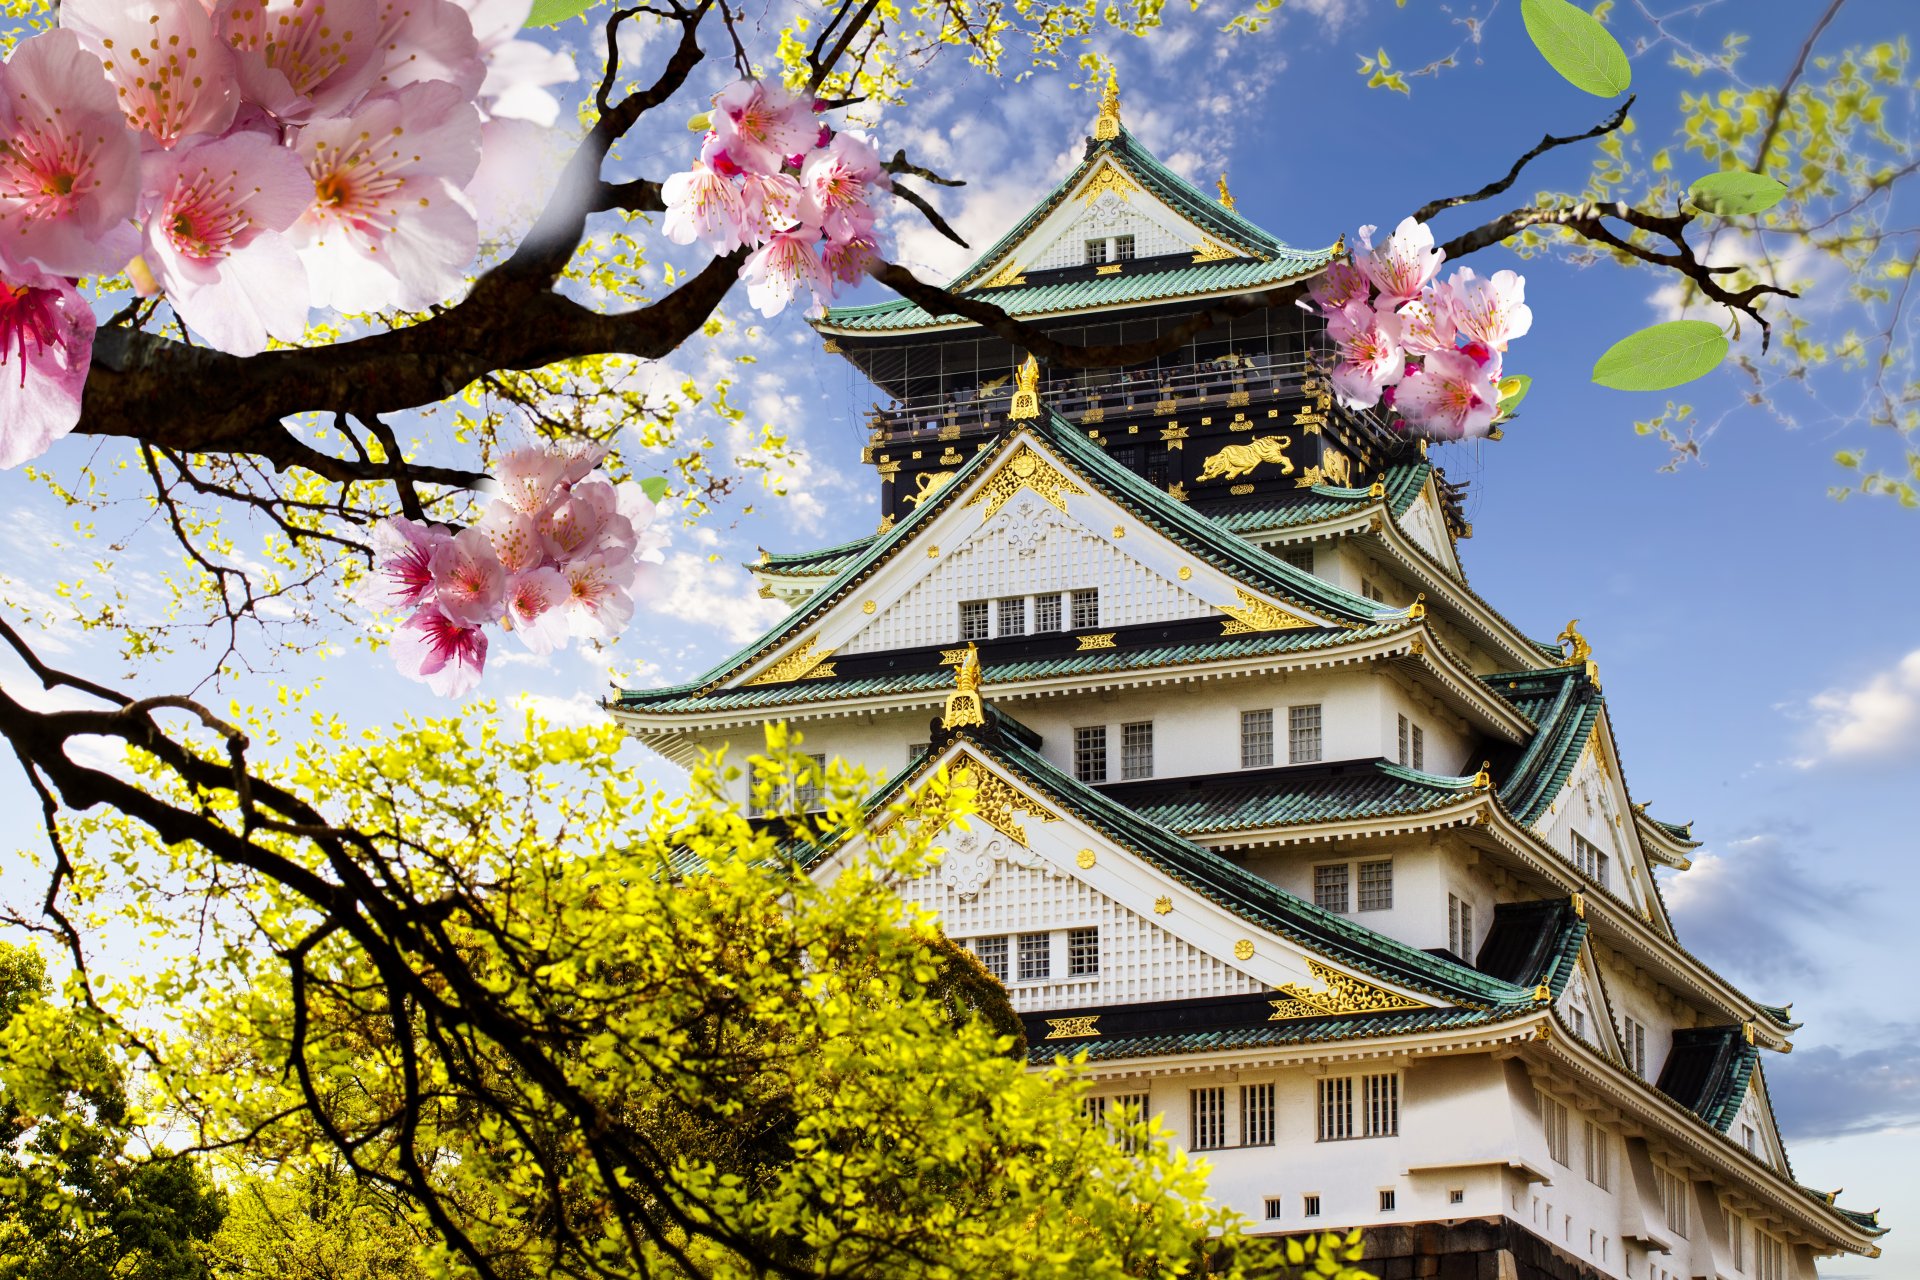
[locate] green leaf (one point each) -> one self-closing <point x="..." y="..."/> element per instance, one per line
<point x="1735" y="192"/>
<point x="548" y="13"/>
<point x="1513" y="389"/>
<point x="1662" y="356"/>
<point x="655" y="487"/>
<point x="1575" y="44"/>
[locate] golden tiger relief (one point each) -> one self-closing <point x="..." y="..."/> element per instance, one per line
<point x="928" y="483"/>
<point x="1237" y="460"/>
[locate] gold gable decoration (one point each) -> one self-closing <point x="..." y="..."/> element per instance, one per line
<point x="1211" y="250"/>
<point x="1255" y="614"/>
<point x="1025" y="469"/>
<point x="963" y="704"/>
<point x="1109" y="177"/>
<point x="1338" y="994"/>
<point x="1006" y="277"/>
<point x="1073" y="1027"/>
<point x="995" y="800"/>
<point x="808" y="662"/>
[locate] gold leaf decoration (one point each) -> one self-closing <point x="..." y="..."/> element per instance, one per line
<point x="1237" y="460"/>
<point x="1337" y="994"/>
<point x="1110" y="177"/>
<point x="796" y="665"/>
<point x="1073" y="1028"/>
<point x="1255" y="614"/>
<point x="1025" y="469"/>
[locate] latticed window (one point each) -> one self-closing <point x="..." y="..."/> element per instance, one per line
<point x="916" y="750"/>
<point x="1123" y="248"/>
<point x="1769" y="1257"/>
<point x="1123" y="1112"/>
<point x="1406" y="736"/>
<point x="1036" y="956"/>
<point x="1381" y="1096"/>
<point x="1376" y="885"/>
<point x="1256" y="1115"/>
<point x="1209" y="1118"/>
<point x="1553" y="1117"/>
<point x="807" y="787"/>
<point x="993" y="954"/>
<point x="1096" y="251"/>
<point x="1419" y="747"/>
<point x="1086" y="608"/>
<point x="1299" y="557"/>
<point x="1256" y="739"/>
<point x="1083" y="952"/>
<point x="1010" y="616"/>
<point x="1335" y="1110"/>
<point x="1413" y="745"/>
<point x="1090" y="753"/>
<point x="973" y="620"/>
<point x="1460" y="927"/>
<point x="1673" y="1199"/>
<point x="1636" y="1046"/>
<point x="1587" y="857"/>
<point x="1599" y="1157"/>
<point x="1330" y="887"/>
<point x="1303" y="734"/>
<point x="1136" y="749"/>
<point x="1372" y="591"/>
<point x="1046" y="612"/>
<point x="1310" y="1206"/>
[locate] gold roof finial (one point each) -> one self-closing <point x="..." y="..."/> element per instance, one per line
<point x="1483" y="780"/>
<point x="1573" y="644"/>
<point x="963" y="704"/>
<point x="1340" y="246"/>
<point x="1026" y="391"/>
<point x="1226" y="196"/>
<point x="1107" y="126"/>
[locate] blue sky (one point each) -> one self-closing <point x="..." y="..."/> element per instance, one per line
<point x="1756" y="638"/>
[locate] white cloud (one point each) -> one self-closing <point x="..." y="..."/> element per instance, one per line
<point x="712" y="593"/>
<point x="565" y="713"/>
<point x="1876" y="720"/>
<point x="1727" y="906"/>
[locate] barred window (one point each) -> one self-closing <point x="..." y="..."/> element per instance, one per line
<point x="1299" y="558"/>
<point x="1769" y="1257"/>
<point x="1599" y="1157"/>
<point x="1256" y="1115"/>
<point x="1419" y="748"/>
<point x="1310" y="1206"/>
<point x="1336" y="1109"/>
<point x="1036" y="956"/>
<point x="1303" y="734"/>
<point x="1083" y="952"/>
<point x="1123" y="248"/>
<point x="1096" y="251"/>
<point x="1737" y="1237"/>
<point x="1673" y="1199"/>
<point x="1209" y="1111"/>
<point x="1010" y="616"/>
<point x="917" y="749"/>
<point x="1124" y="1111"/>
<point x="1046" y="613"/>
<point x="1406" y="736"/>
<point x="1094" y="1107"/>
<point x="993" y="954"/>
<point x="1136" y="749"/>
<point x="1090" y="753"/>
<point x="1388" y="1199"/>
<point x="1330" y="887"/>
<point x="1587" y="857"/>
<point x="973" y="619"/>
<point x="1460" y="927"/>
<point x="1376" y="885"/>
<point x="1553" y="1117"/>
<point x="1256" y="739"/>
<point x="1382" y="1094"/>
<point x="1636" y="1046"/>
<point x="808" y="786"/>
<point x="1086" y="608"/>
<point x="1275" y="1207"/>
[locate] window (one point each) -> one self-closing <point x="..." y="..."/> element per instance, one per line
<point x="917" y="749"/>
<point x="1256" y="739"/>
<point x="1406" y="741"/>
<point x="973" y="620"/>
<point x="1460" y="927"/>
<point x="1553" y="1117"/>
<point x="1303" y="734"/>
<point x="1769" y="1257"/>
<point x="1749" y="1139"/>
<point x="1096" y="251"/>
<point x="1036" y="956"/>
<point x="1673" y="1199"/>
<point x="1330" y="887"/>
<point x="1387" y="1199"/>
<point x="1086" y="608"/>
<point x="1579" y="1020"/>
<point x="1136" y="750"/>
<point x="1083" y="952"/>
<point x="1457" y="1195"/>
<point x="1737" y="1239"/>
<point x="1635" y="1043"/>
<point x="807" y="787"/>
<point x="1123" y="248"/>
<point x="1046" y="612"/>
<point x="1256" y="1115"/>
<point x="1157" y="469"/>
<point x="1120" y="1112"/>
<point x="1379" y="1111"/>
<point x="1371" y="591"/>
<point x="1090" y="753"/>
<point x="1309" y="1206"/>
<point x="1587" y="857"/>
<point x="1010" y="616"/>
<point x="1419" y="760"/>
<point x="1209" y="1118"/>
<point x="1299" y="557"/>
<point x="1376" y="885"/>
<point x="993" y="954"/>
<point x="1275" y="1207"/>
<point x="1599" y="1157"/>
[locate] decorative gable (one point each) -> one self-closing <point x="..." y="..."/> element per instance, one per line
<point x="1423" y="522"/>
<point x="1591" y="814"/>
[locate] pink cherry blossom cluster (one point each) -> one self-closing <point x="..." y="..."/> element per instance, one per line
<point x="1430" y="352"/>
<point x="556" y="555"/>
<point x="249" y="159"/>
<point x="772" y="178"/>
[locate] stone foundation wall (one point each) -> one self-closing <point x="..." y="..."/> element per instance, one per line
<point x="1470" y="1249"/>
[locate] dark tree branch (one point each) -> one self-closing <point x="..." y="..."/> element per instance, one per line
<point x="1426" y="212"/>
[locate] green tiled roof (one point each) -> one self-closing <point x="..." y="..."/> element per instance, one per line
<point x="1565" y="704"/>
<point x="1271" y="261"/>
<point x="1375" y="789"/>
<point x="1264" y="1035"/>
<point x="819" y="562"/>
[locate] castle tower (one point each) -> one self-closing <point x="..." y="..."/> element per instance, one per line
<point x="1313" y="853"/>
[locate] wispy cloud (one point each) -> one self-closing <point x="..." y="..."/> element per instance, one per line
<point x="1827" y="1092"/>
<point x="1878" y="720"/>
<point x="712" y="593"/>
<point x="1727" y="906"/>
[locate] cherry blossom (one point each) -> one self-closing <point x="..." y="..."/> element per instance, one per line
<point x="468" y="580"/>
<point x="173" y="74"/>
<point x="408" y="549"/>
<point x="1427" y="323"/>
<point x="705" y="206"/>
<point x="302" y="59"/>
<point x="572" y="526"/>
<point x="1452" y="396"/>
<point x="1402" y="264"/>
<point x="534" y="611"/>
<point x="849" y="260"/>
<point x="213" y="241"/>
<point x="781" y="267"/>
<point x="760" y="125"/>
<point x="514" y="536"/>
<point x="69" y="167"/>
<point x="771" y="203"/>
<point x="428" y="40"/>
<point x="1339" y="284"/>
<point x="527" y="478"/>
<point x="46" y="344"/>
<point x="1491" y="309"/>
<point x="388" y="226"/>
<point x="518" y="71"/>
<point x="1371" y="358"/>
<point x="839" y="179"/>
<point x="597" y="605"/>
<point x="447" y="655"/>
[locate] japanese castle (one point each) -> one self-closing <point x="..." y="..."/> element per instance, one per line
<point x="1309" y="850"/>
